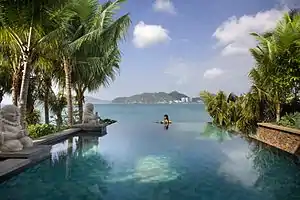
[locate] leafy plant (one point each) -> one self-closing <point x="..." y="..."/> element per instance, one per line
<point x="39" y="130"/>
<point x="290" y="120"/>
<point x="109" y="121"/>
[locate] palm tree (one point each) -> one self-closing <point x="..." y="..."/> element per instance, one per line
<point x="92" y="31"/>
<point x="277" y="66"/>
<point x="27" y="26"/>
<point x="102" y="71"/>
<point x="10" y="59"/>
<point x="5" y="78"/>
<point x="57" y="104"/>
<point x="217" y="107"/>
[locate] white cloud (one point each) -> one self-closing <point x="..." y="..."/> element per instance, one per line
<point x="164" y="6"/>
<point x="234" y="34"/>
<point x="213" y="73"/>
<point x="238" y="166"/>
<point x="145" y="35"/>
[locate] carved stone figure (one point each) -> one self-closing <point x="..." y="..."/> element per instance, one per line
<point x="12" y="136"/>
<point x="88" y="115"/>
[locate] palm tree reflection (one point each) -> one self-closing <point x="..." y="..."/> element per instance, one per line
<point x="278" y="171"/>
<point x="77" y="157"/>
<point x="215" y="133"/>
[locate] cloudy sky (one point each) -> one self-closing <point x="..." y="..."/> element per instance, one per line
<point x="191" y="45"/>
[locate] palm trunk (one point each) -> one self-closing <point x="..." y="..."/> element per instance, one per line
<point x="46" y="99"/>
<point x="1" y="97"/>
<point x="278" y="108"/>
<point x="25" y="78"/>
<point x="67" y="69"/>
<point x="80" y="99"/>
<point x="24" y="90"/>
<point x="16" y="85"/>
<point x="59" y="120"/>
<point x="46" y="106"/>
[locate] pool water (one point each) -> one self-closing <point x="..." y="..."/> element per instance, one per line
<point x="154" y="163"/>
<point x="141" y="160"/>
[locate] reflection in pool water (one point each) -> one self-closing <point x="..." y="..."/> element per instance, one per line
<point x="147" y="162"/>
<point x="151" y="169"/>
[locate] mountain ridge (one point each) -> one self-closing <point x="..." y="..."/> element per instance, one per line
<point x="155" y="97"/>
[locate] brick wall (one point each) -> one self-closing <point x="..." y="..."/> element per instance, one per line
<point x="278" y="137"/>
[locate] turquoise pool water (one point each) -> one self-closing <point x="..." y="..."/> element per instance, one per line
<point x="140" y="160"/>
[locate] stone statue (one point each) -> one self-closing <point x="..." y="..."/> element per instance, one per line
<point x="12" y="136"/>
<point x="88" y="115"/>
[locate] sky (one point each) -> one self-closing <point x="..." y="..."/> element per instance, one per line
<point x="190" y="45"/>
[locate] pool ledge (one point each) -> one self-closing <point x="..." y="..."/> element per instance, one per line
<point x="10" y="166"/>
<point x="52" y="138"/>
<point x="284" y="138"/>
<point x="13" y="163"/>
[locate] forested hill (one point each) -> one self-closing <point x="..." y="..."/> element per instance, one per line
<point x="157" y="97"/>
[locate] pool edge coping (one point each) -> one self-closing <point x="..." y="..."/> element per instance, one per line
<point x="18" y="165"/>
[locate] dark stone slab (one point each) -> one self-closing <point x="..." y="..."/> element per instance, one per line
<point x="91" y="128"/>
<point x="53" y="138"/>
<point x="9" y="167"/>
<point x="31" y="152"/>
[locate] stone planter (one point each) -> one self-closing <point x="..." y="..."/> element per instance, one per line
<point x="284" y="138"/>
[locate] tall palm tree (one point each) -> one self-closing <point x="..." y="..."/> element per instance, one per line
<point x="277" y="64"/>
<point x="103" y="70"/>
<point x="92" y="30"/>
<point x="27" y="25"/>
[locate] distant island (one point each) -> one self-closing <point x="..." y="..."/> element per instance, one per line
<point x="94" y="100"/>
<point x="157" y="98"/>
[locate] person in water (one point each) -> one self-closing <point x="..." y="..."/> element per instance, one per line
<point x="166" y="120"/>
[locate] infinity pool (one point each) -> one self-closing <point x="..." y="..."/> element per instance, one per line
<point x="188" y="161"/>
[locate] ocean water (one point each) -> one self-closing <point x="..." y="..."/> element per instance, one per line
<point x="141" y="160"/>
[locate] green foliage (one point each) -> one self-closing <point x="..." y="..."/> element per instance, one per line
<point x="5" y="76"/>
<point x="108" y="121"/>
<point x="33" y="117"/>
<point x="290" y="120"/>
<point x="231" y="113"/>
<point x="57" y="104"/>
<point x="39" y="130"/>
<point x="83" y="36"/>
<point x="275" y="81"/>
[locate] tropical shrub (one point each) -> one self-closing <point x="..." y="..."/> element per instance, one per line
<point x="275" y="82"/>
<point x="290" y="120"/>
<point x="39" y="130"/>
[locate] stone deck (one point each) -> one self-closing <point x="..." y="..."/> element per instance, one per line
<point x="27" y="153"/>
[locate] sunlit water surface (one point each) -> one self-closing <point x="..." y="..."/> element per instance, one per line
<point x="140" y="160"/>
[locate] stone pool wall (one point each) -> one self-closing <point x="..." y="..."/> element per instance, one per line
<point x="284" y="138"/>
